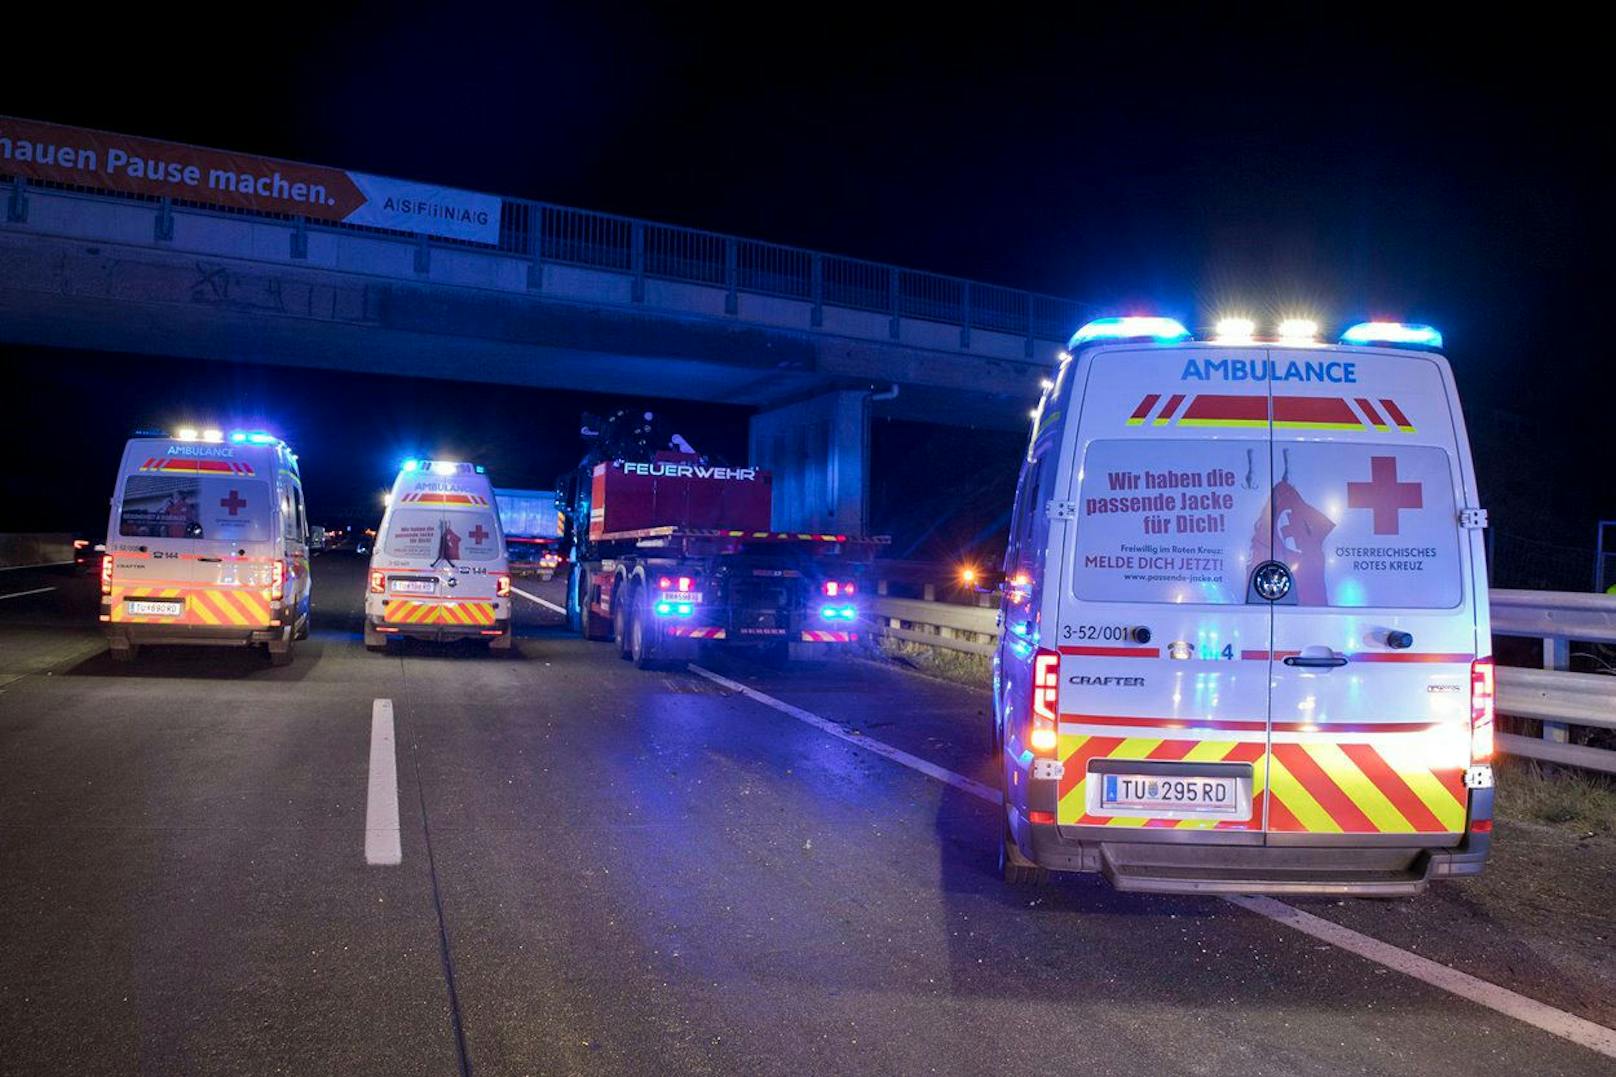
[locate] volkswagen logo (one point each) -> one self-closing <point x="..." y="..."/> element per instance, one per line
<point x="1272" y="580"/>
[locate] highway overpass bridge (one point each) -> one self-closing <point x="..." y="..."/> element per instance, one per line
<point x="556" y="297"/>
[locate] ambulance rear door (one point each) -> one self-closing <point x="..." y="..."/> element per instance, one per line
<point x="1164" y="672"/>
<point x="1373" y="645"/>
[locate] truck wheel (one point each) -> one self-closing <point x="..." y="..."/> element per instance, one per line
<point x="776" y="655"/>
<point x="622" y="618"/>
<point x="641" y="633"/>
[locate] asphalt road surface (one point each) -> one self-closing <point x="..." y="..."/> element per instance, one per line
<point x="601" y="870"/>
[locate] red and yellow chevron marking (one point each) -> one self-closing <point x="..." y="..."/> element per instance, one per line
<point x="697" y="631"/>
<point x="181" y="465"/>
<point x="431" y="498"/>
<point x="820" y="635"/>
<point x="407" y="612"/>
<point x="1289" y="412"/>
<point x="1314" y="787"/>
<point x="213" y="606"/>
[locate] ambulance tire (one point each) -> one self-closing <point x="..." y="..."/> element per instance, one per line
<point x="1015" y="869"/>
<point x="375" y="642"/>
<point x="125" y="654"/>
<point x="502" y="645"/>
<point x="281" y="656"/>
<point x="641" y="646"/>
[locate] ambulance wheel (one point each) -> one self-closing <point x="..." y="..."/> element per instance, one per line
<point x="279" y="657"/>
<point x="502" y="645"/>
<point x="125" y="654"/>
<point x="1015" y="869"/>
<point x="375" y="642"/>
<point x="640" y="635"/>
<point x="622" y="613"/>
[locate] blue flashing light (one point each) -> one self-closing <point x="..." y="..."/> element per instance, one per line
<point x="410" y="465"/>
<point x="664" y="608"/>
<point x="843" y="613"/>
<point x="1159" y="330"/>
<point x="258" y="437"/>
<point x="237" y="437"/>
<point x="1401" y="334"/>
<point x="684" y="609"/>
<point x="480" y="469"/>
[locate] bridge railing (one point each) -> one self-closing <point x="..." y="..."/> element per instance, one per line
<point x="1556" y="697"/>
<point x="547" y="233"/>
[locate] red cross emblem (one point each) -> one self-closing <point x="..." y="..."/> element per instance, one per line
<point x="234" y="502"/>
<point x="478" y="535"/>
<point x="1384" y="495"/>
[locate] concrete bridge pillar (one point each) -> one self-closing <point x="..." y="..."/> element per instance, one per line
<point x="819" y="453"/>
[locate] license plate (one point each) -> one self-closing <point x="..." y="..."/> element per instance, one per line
<point x="1148" y="793"/>
<point x="414" y="587"/>
<point x="143" y="608"/>
<point x="679" y="596"/>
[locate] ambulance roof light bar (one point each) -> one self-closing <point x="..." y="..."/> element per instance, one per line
<point x="1133" y="328"/>
<point x="1298" y="331"/>
<point x="1401" y="334"/>
<point x="442" y="467"/>
<point x="1235" y="331"/>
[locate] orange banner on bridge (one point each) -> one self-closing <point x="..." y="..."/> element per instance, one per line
<point x="127" y="163"/>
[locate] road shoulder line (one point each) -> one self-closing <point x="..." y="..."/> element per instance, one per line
<point x="545" y="602"/>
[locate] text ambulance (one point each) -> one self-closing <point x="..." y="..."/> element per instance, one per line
<point x="207" y="543"/>
<point x="438" y="569"/>
<point x="1246" y="642"/>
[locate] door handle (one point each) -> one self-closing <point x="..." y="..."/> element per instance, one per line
<point x="1328" y="660"/>
<point x="211" y="560"/>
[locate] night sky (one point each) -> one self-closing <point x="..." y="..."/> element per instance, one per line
<point x="1342" y="164"/>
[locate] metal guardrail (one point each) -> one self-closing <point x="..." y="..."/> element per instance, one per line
<point x="1555" y="696"/>
<point x="545" y="233"/>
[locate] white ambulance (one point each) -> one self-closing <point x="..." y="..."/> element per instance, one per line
<point x="207" y="543"/>
<point x="1245" y="639"/>
<point x="438" y="568"/>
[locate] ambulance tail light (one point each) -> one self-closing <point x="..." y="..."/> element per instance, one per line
<point x="502" y="586"/>
<point x="106" y="573"/>
<point x="378" y="583"/>
<point x="1045" y="700"/>
<point x="1481" y="710"/>
<point x="277" y="581"/>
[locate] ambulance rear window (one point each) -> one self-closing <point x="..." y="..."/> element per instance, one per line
<point x="1169" y="520"/>
<point x="195" y="507"/>
<point x="453" y="536"/>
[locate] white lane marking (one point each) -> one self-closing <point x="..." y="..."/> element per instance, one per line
<point x="1567" y="1026"/>
<point x="1555" y="1022"/>
<point x="382" y="844"/>
<point x="897" y="755"/>
<point x="25" y="594"/>
<point x="42" y="564"/>
<point x="545" y="602"/>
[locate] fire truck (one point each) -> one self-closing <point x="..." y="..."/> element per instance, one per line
<point x="671" y="552"/>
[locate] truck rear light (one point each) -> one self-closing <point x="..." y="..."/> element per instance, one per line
<point x="665" y="583"/>
<point x="1045" y="700"/>
<point x="1481" y="710"/>
<point x="502" y="586"/>
<point x="836" y="588"/>
<point x="277" y="581"/>
<point x="106" y="573"/>
<point x="378" y="583"/>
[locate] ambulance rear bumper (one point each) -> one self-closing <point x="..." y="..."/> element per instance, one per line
<point x="123" y="634"/>
<point x="442" y="632"/>
<point x="1372" y="866"/>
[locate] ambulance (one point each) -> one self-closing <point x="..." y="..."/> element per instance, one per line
<point x="438" y="568"/>
<point x="1245" y="643"/>
<point x="207" y="543"/>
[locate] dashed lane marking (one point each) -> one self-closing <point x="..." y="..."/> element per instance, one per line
<point x="545" y="602"/>
<point x="1555" y="1022"/>
<point x="382" y="845"/>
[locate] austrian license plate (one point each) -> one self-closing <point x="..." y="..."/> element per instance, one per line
<point x="679" y="596"/>
<point x="414" y="587"/>
<point x="1147" y="793"/>
<point x="140" y="607"/>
